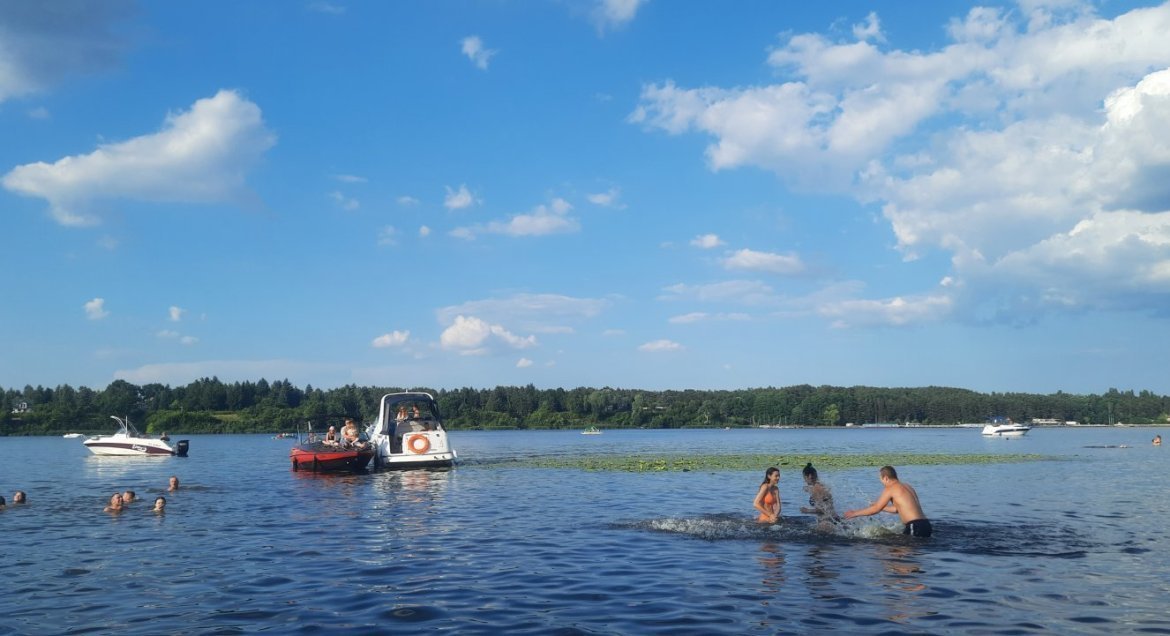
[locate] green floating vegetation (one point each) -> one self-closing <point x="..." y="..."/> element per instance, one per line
<point x="670" y="463"/>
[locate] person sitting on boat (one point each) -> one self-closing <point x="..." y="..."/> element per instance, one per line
<point x="401" y="416"/>
<point x="351" y="434"/>
<point x="331" y="436"/>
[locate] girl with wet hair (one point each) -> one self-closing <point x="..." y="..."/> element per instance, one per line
<point x="767" y="499"/>
<point x="820" y="500"/>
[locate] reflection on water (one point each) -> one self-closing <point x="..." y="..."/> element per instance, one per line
<point x="904" y="579"/>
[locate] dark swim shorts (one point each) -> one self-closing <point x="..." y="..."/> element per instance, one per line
<point x="918" y="528"/>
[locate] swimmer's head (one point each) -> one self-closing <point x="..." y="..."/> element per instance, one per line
<point x="810" y="473"/>
<point x="768" y="474"/>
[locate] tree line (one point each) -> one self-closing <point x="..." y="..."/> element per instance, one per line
<point x="208" y="405"/>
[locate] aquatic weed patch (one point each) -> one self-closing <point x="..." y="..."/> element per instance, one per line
<point x="669" y="463"/>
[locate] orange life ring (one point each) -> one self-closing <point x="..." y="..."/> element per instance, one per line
<point x="416" y="447"/>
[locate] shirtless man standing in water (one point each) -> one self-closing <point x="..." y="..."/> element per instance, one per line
<point x="897" y="498"/>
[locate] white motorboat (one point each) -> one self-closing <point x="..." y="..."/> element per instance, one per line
<point x="1005" y="427"/>
<point x="128" y="442"/>
<point x="408" y="433"/>
<point x="72" y="435"/>
<point x="592" y="430"/>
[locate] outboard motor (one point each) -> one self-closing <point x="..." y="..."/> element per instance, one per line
<point x="181" y="448"/>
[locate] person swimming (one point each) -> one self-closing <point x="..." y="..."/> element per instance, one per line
<point x="115" y="504"/>
<point x="820" y="500"/>
<point x="897" y="498"/>
<point x="174" y="483"/>
<point x="160" y="504"/>
<point x="767" y="499"/>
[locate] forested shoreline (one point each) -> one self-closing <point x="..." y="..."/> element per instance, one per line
<point x="211" y="406"/>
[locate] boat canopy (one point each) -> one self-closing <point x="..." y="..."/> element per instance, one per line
<point x="428" y="409"/>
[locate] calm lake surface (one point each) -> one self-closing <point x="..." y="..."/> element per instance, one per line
<point x="1076" y="543"/>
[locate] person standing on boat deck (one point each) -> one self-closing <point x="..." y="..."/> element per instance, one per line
<point x="174" y="484"/>
<point x="897" y="498"/>
<point x="768" y="497"/>
<point x="17" y="497"/>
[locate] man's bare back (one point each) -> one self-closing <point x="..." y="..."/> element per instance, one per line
<point x="899" y="498"/>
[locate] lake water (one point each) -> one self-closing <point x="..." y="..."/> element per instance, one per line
<point x="1076" y="544"/>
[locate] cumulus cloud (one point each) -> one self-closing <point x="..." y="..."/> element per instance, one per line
<point x="609" y="199"/>
<point x="659" y="346"/>
<point x="44" y="43"/>
<point x="1027" y="131"/>
<point x="752" y="260"/>
<point x="613" y="14"/>
<point x="349" y="178"/>
<point x="96" y="309"/>
<point x="469" y="335"/>
<point x="745" y="292"/>
<point x="424" y="231"/>
<point x="344" y="202"/>
<point x="893" y="311"/>
<point x="543" y="220"/>
<point x="407" y="201"/>
<point x="702" y="316"/>
<point x="176" y="313"/>
<point x="458" y="199"/>
<point x="707" y="241"/>
<point x="544" y="313"/>
<point x="392" y="339"/>
<point x="523" y="363"/>
<point x="200" y="155"/>
<point x="473" y="48"/>
<point x="387" y="236"/>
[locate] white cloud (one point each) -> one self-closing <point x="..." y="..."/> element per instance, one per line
<point x="659" y="346"/>
<point x="96" y="309"/>
<point x="995" y="148"/>
<point x="176" y="313"/>
<point x="707" y="241"/>
<point x="745" y="292"/>
<point x="893" y="311"/>
<point x="407" y="201"/>
<point x="458" y="199"/>
<point x="469" y="335"/>
<point x="541" y="221"/>
<point x="40" y="113"/>
<point x="200" y="155"/>
<point x="387" y="236"/>
<point x="349" y="178"/>
<point x="613" y="333"/>
<point x="45" y="43"/>
<point x="188" y="340"/>
<point x="473" y="48"/>
<point x="392" y="339"/>
<point x="608" y="199"/>
<point x="752" y="260"/>
<point x="328" y="8"/>
<point x="424" y="231"/>
<point x="523" y="363"/>
<point x="168" y="334"/>
<point x="701" y="316"/>
<point x="543" y="313"/>
<point x="613" y="14"/>
<point x="346" y="203"/>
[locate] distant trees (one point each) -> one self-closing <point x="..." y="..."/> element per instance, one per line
<point x="209" y="405"/>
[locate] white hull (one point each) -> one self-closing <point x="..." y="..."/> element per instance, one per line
<point x="1013" y="430"/>
<point x="416" y="441"/>
<point x="128" y="442"/>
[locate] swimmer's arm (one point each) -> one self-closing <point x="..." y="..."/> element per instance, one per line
<point x="873" y="509"/>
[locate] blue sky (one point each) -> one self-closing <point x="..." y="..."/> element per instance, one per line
<point x="638" y="194"/>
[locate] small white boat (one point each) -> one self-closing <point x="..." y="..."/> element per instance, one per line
<point x="72" y="435"/>
<point x="1005" y="427"/>
<point x="592" y="430"/>
<point x="409" y="434"/>
<point x="128" y="442"/>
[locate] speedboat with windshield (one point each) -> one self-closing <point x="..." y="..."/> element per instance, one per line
<point x="128" y="442"/>
<point x="1005" y="427"/>
<point x="408" y="433"/>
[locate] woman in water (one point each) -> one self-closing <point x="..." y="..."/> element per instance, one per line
<point x="160" y="504"/>
<point x="768" y="498"/>
<point x="820" y="500"/>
